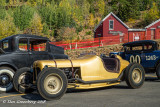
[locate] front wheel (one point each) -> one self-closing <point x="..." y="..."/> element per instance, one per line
<point x="135" y="75"/>
<point x="6" y="76"/>
<point x="52" y="83"/>
<point x="22" y="80"/>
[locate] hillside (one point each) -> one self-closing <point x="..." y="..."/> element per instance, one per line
<point x="71" y="20"/>
<point x="73" y="54"/>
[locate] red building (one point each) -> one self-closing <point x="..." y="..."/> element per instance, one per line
<point x="136" y="34"/>
<point x="153" y="30"/>
<point x="111" y="26"/>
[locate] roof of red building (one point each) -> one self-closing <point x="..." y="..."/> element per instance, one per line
<point x="152" y="24"/>
<point x="114" y="17"/>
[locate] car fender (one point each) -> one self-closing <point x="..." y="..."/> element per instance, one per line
<point x="9" y="65"/>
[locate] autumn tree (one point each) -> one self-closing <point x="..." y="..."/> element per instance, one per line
<point x="67" y="34"/>
<point x="36" y="27"/>
<point x="152" y="14"/>
<point x="7" y="27"/>
<point x="2" y="3"/>
<point x="101" y="7"/>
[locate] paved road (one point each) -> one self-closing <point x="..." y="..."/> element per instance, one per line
<point x="114" y="96"/>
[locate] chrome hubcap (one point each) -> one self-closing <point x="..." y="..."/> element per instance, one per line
<point x="4" y="79"/>
<point x="53" y="83"/>
<point x="137" y="75"/>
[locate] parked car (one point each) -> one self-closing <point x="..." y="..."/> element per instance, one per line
<point x="144" y="52"/>
<point x="21" y="50"/>
<point x="53" y="77"/>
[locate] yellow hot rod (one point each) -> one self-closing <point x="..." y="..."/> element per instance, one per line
<point x="52" y="77"/>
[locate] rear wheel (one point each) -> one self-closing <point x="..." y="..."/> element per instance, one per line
<point x="135" y="75"/>
<point x="158" y="71"/>
<point x="22" y="80"/>
<point x="52" y="83"/>
<point x="6" y="77"/>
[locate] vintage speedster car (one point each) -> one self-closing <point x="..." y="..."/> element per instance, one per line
<point x="53" y="77"/>
<point x="22" y="50"/>
<point x="144" y="52"/>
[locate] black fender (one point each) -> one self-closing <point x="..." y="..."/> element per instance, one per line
<point x="9" y="65"/>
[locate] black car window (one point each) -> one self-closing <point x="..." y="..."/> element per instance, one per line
<point x="137" y="48"/>
<point x="5" y="44"/>
<point x="23" y="44"/>
<point x="133" y="49"/>
<point x="38" y="45"/>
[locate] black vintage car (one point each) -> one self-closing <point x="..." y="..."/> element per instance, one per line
<point x="21" y="50"/>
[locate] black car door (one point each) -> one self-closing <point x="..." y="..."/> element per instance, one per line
<point x="38" y="50"/>
<point x="21" y="57"/>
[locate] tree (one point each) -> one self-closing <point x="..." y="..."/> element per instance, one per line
<point x="22" y="16"/>
<point x="7" y="27"/>
<point x="49" y="15"/>
<point x="32" y="2"/>
<point x="101" y="7"/>
<point x="152" y="14"/>
<point x="91" y="20"/>
<point x="36" y="26"/>
<point x="3" y="13"/>
<point x="67" y="34"/>
<point x="2" y="3"/>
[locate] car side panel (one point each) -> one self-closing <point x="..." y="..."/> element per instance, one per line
<point x="147" y="59"/>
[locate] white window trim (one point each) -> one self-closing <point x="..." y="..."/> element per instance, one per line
<point x="109" y="24"/>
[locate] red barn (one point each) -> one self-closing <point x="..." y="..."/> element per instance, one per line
<point x="111" y="26"/>
<point x="136" y="34"/>
<point x="153" y="30"/>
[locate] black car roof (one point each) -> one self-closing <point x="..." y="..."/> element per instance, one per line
<point x="26" y="36"/>
<point x="141" y="42"/>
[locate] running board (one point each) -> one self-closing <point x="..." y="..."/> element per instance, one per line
<point x="96" y="81"/>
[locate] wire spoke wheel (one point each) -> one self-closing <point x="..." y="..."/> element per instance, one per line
<point x="25" y="79"/>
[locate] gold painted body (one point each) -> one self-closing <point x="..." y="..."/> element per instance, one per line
<point x="91" y="69"/>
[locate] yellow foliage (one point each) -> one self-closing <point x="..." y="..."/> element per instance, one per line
<point x="7" y="27"/>
<point x="36" y="27"/>
<point x="67" y="34"/>
<point x="154" y="12"/>
<point x="91" y="20"/>
<point x="11" y="2"/>
<point x="131" y="20"/>
<point x="101" y="7"/>
<point x="32" y="2"/>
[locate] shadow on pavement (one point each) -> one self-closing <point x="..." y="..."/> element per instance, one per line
<point x="32" y="96"/>
<point x="97" y="89"/>
<point x="152" y="79"/>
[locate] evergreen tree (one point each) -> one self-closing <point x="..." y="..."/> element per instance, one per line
<point x="22" y="16"/>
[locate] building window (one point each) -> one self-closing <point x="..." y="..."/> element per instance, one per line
<point x="111" y="22"/>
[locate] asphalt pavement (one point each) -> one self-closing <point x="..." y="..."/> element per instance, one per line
<point x="114" y="96"/>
